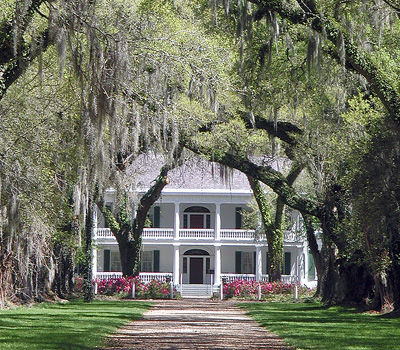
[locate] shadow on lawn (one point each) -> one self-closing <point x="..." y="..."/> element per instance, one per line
<point x="75" y="325"/>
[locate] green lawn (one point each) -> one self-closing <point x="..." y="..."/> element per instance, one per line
<point x="314" y="326"/>
<point x="74" y="325"/>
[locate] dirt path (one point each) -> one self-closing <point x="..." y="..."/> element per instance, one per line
<point x="195" y="324"/>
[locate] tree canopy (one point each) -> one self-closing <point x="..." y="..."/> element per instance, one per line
<point x="87" y="86"/>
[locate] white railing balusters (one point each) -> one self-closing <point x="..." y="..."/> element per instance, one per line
<point x="145" y="277"/>
<point x="196" y="233"/>
<point x="209" y="234"/>
<point x="156" y="233"/>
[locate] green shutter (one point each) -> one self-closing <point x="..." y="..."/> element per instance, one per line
<point x="157" y="216"/>
<point x="238" y="218"/>
<point x="311" y="267"/>
<point x="238" y="262"/>
<point x="156" y="257"/>
<point x="288" y="263"/>
<point x="107" y="258"/>
<point x="267" y="261"/>
<point x="254" y="262"/>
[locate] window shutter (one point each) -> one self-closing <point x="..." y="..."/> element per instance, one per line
<point x="288" y="263"/>
<point x="157" y="215"/>
<point x="107" y="258"/>
<point x="156" y="257"/>
<point x="238" y="262"/>
<point x="311" y="267"/>
<point x="254" y="262"/>
<point x="238" y="218"/>
<point x="267" y="261"/>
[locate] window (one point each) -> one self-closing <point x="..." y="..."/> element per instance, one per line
<point x="106" y="260"/>
<point x="184" y="267"/>
<point x="287" y="263"/>
<point x="244" y="262"/>
<point x="112" y="261"/>
<point x="151" y="261"/>
<point x="311" y="266"/>
<point x="247" y="262"/>
<point x="196" y="217"/>
<point x="147" y="261"/>
<point x="157" y="217"/>
<point x="238" y="217"/>
<point x="115" y="262"/>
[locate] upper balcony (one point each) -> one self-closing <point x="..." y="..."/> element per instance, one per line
<point x="204" y="235"/>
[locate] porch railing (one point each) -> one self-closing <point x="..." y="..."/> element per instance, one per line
<point x="145" y="277"/>
<point x="228" y="234"/>
<point x="107" y="275"/>
<point x="206" y="234"/>
<point x="103" y="233"/>
<point x="196" y="233"/>
<point x="230" y="277"/>
<point x="158" y="233"/>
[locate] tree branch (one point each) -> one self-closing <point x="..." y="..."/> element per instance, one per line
<point x="266" y="174"/>
<point x="304" y="12"/>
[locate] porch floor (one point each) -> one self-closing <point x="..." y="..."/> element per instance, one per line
<point x="195" y="324"/>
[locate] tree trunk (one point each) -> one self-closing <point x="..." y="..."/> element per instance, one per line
<point x="87" y="269"/>
<point x="313" y="246"/>
<point x="274" y="234"/>
<point x="129" y="235"/>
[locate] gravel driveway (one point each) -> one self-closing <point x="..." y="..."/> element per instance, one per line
<point x="195" y="324"/>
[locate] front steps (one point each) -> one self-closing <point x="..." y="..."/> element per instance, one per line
<point x="196" y="290"/>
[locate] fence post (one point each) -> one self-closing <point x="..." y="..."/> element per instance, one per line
<point x="222" y="289"/>
<point x="296" y="292"/>
<point x="171" y="287"/>
<point x="95" y="288"/>
<point x="133" y="289"/>
<point x="259" y="291"/>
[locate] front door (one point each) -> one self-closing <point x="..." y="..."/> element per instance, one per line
<point x="197" y="221"/>
<point x="196" y="271"/>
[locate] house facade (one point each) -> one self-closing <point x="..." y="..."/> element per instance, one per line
<point x="197" y="236"/>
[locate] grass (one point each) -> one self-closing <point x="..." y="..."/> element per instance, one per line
<point x="314" y="326"/>
<point x="74" y="325"/>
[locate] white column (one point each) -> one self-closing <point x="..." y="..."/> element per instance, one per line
<point x="94" y="246"/>
<point x="94" y="261"/>
<point x="217" y="265"/>
<point x="217" y="221"/>
<point x="258" y="263"/>
<point x="304" y="274"/>
<point x="176" y="222"/>
<point x="175" y="268"/>
<point x="94" y="220"/>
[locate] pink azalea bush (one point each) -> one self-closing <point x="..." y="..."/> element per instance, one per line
<point x="249" y="289"/>
<point x="122" y="286"/>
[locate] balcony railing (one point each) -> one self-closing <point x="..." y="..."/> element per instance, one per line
<point x="158" y="233"/>
<point x="196" y="234"/>
<point x="200" y="234"/>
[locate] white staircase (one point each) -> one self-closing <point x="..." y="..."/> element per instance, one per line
<point x="196" y="290"/>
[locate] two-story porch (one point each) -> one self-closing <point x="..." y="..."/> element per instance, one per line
<point x="197" y="238"/>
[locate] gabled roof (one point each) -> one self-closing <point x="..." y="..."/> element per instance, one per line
<point x="195" y="174"/>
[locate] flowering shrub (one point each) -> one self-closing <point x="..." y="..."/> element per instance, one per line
<point x="249" y="289"/>
<point x="123" y="286"/>
<point x="78" y="284"/>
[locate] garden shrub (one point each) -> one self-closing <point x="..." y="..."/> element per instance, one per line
<point x="249" y="289"/>
<point x="122" y="286"/>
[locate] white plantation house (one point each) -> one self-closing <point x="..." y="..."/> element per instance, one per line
<point x="197" y="237"/>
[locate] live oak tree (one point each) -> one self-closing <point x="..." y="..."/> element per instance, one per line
<point x="331" y="32"/>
